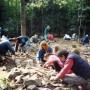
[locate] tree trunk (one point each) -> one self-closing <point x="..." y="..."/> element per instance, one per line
<point x="23" y="20"/>
<point x="16" y="14"/>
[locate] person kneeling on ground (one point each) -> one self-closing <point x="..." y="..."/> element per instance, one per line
<point x="85" y="40"/>
<point x="4" y="48"/>
<point x="74" y="37"/>
<point x="50" y="37"/>
<point x="54" y="61"/>
<point x="34" y="39"/>
<point x="44" y="48"/>
<point x="67" y="37"/>
<point x="75" y="63"/>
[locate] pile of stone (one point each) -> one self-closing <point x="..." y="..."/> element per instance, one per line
<point x="31" y="79"/>
<point x="29" y="76"/>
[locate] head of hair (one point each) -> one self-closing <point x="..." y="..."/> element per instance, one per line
<point x="61" y="53"/>
<point x="56" y="49"/>
<point x="76" y="51"/>
<point x="44" y="43"/>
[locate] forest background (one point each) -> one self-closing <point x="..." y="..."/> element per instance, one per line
<point x="29" y="17"/>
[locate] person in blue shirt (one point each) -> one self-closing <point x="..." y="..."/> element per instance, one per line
<point x="21" y="40"/>
<point x="46" y="32"/>
<point x="44" y="48"/>
<point x="85" y="39"/>
<point x="5" y="46"/>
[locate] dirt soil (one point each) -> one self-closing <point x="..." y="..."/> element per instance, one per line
<point x="7" y="65"/>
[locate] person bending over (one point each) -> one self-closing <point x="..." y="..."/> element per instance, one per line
<point x="75" y="63"/>
<point x="22" y="43"/>
<point x="5" y="47"/>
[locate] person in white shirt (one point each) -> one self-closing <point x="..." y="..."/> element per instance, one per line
<point x="74" y="36"/>
<point x="4" y="38"/>
<point x="67" y="37"/>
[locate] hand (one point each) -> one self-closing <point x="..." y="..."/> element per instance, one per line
<point x="45" y="66"/>
<point x="39" y="62"/>
<point x="52" y="78"/>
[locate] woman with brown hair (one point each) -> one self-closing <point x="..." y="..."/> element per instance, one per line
<point x="44" y="48"/>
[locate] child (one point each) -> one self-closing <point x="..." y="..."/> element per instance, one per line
<point x="56" y="49"/>
<point x="54" y="61"/>
<point x="76" y="51"/>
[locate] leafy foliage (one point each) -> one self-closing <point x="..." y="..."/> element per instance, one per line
<point x="4" y="84"/>
<point x="63" y="16"/>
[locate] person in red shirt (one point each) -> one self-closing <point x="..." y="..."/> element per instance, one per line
<point x="50" y="37"/>
<point x="72" y="62"/>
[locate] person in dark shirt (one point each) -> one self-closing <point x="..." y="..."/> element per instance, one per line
<point x="75" y="63"/>
<point x="21" y="40"/>
<point x="85" y="39"/>
<point x="4" y="48"/>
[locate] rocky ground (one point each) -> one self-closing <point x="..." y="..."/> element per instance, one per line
<point x="22" y="72"/>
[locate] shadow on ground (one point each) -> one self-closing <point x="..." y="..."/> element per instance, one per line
<point x="9" y="64"/>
